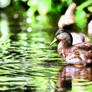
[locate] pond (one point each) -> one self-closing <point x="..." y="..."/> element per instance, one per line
<point x="29" y="64"/>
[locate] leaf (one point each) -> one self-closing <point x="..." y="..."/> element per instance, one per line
<point x="80" y="17"/>
<point x="42" y="6"/>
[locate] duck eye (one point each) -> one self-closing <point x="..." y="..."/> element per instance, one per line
<point x="57" y="34"/>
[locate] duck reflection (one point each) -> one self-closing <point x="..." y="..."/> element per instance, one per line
<point x="69" y="73"/>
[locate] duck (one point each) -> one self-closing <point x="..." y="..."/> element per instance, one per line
<point x="68" y="17"/>
<point x="79" y="37"/>
<point x="79" y="54"/>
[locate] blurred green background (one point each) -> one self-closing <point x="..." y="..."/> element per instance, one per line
<point x="39" y="9"/>
<point x="27" y="62"/>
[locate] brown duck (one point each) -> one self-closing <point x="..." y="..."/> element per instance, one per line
<point x="80" y="53"/>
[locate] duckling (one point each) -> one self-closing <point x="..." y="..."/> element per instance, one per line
<point x="80" y="53"/>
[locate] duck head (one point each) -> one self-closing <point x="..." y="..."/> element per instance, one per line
<point x="64" y="37"/>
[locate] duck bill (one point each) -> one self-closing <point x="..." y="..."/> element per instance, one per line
<point x="53" y="41"/>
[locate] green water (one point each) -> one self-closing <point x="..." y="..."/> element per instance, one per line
<point x="29" y="64"/>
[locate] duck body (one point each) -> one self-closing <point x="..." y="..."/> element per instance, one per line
<point x="77" y="54"/>
<point x="90" y="28"/>
<point x="79" y="37"/>
<point x="80" y="53"/>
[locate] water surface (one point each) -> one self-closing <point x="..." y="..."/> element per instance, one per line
<point x="28" y="63"/>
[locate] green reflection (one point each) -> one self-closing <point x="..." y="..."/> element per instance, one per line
<point x="82" y="86"/>
<point x="28" y="63"/>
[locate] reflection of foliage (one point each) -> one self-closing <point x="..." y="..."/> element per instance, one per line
<point x="81" y="86"/>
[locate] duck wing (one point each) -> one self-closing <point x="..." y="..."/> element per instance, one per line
<point x="85" y="50"/>
<point x="85" y="46"/>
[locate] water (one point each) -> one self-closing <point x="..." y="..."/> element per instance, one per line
<point x="29" y="64"/>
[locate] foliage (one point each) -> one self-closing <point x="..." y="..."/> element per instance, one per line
<point x="81" y="15"/>
<point x="42" y="6"/>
